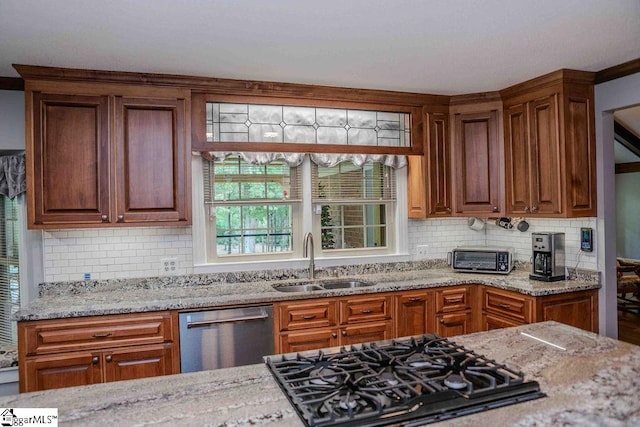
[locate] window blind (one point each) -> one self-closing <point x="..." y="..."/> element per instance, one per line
<point x="9" y="268"/>
<point x="347" y="182"/>
<point x="233" y="181"/>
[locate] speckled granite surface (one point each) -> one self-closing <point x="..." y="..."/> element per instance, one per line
<point x="593" y="382"/>
<point x="92" y="298"/>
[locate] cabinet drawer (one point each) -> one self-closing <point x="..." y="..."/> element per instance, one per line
<point x="307" y="314"/>
<point x="54" y="336"/>
<point x="452" y="299"/>
<point x="507" y="304"/>
<point x="359" y="309"/>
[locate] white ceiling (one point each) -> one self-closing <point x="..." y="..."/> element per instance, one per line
<point x="428" y="46"/>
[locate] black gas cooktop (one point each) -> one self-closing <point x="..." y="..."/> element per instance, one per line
<point x="410" y="381"/>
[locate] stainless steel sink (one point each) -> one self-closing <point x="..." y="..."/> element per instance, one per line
<point x="298" y="288"/>
<point x="346" y="284"/>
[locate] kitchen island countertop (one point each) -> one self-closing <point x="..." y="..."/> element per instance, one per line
<point x="94" y="298"/>
<point x="588" y="379"/>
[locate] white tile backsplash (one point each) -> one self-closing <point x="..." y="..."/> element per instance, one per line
<point x="137" y="252"/>
<point x="442" y="235"/>
<point x="114" y="253"/>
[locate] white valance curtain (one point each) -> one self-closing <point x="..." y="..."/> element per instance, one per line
<point x="13" y="175"/>
<point x="326" y="160"/>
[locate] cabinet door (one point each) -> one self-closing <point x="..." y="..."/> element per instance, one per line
<point x="151" y="160"/>
<point x="307" y="340"/>
<point x="546" y="182"/>
<point x="67" y="370"/>
<point x="448" y="325"/>
<point x="414" y="313"/>
<point x="366" y="332"/>
<point x="580" y="151"/>
<point x="477" y="163"/>
<point x="517" y="161"/>
<point x="491" y="321"/>
<point x="417" y="186"/>
<point x="68" y="160"/>
<point x="439" y="165"/>
<point x="138" y="362"/>
<point x="579" y="309"/>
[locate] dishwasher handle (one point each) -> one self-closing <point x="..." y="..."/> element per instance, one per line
<point x="203" y="323"/>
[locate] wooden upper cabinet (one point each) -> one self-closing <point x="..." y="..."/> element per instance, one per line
<point x="106" y="155"/>
<point x="477" y="162"/>
<point x="150" y="160"/>
<point x="429" y="175"/>
<point x="550" y="146"/>
<point x="69" y="176"/>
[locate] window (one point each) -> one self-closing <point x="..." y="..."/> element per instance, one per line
<point x="251" y="207"/>
<point x="9" y="268"/>
<point x="353" y="204"/>
<point x="261" y="212"/>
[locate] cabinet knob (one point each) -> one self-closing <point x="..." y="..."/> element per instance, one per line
<point x="526" y="209"/>
<point x="104" y="218"/>
<point x="108" y="358"/>
<point x="344" y="333"/>
<point x="448" y="210"/>
<point x="534" y="209"/>
<point x="334" y="335"/>
<point x="495" y="209"/>
<point x="441" y="320"/>
<point x="95" y="360"/>
<point x="120" y="218"/>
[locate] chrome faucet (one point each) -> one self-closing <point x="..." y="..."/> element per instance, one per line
<point x="305" y="250"/>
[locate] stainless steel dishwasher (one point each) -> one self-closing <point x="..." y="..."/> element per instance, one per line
<point x="225" y="338"/>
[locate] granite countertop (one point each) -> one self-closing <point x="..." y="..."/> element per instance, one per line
<point x="93" y="298"/>
<point x="592" y="380"/>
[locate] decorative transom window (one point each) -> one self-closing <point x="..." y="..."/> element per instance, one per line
<point x="256" y="210"/>
<point x="233" y="122"/>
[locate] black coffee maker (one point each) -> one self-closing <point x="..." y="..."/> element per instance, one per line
<point x="548" y="256"/>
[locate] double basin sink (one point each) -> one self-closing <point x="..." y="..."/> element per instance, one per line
<point x="322" y="286"/>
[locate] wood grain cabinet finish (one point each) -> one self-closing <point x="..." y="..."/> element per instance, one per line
<point x="414" y="313"/>
<point x="429" y="175"/>
<point x="502" y="307"/>
<point x="69" y="159"/>
<point x="550" y="146"/>
<point x="477" y="163"/>
<point x="70" y="352"/>
<point x="106" y="155"/>
<point x="454" y="314"/>
<point x="313" y="324"/>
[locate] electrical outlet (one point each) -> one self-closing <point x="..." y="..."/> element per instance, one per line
<point x="169" y="266"/>
<point x="422" y="250"/>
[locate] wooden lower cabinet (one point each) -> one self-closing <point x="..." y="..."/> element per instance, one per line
<point x="71" y="352"/>
<point x="501" y="308"/>
<point x="446" y="311"/>
<point x="413" y="313"/>
<point x="451" y="324"/>
<point x="492" y="321"/>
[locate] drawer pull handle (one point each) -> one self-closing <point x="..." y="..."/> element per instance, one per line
<point x="506" y="306"/>
<point x="102" y="335"/>
<point x="366" y="311"/>
<point x="108" y="359"/>
<point x="415" y="299"/>
<point x="455" y="300"/>
<point x="309" y="316"/>
<point x="95" y="360"/>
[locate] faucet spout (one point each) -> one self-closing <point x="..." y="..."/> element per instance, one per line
<point x="308" y="238"/>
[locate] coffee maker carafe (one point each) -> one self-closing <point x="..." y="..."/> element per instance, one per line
<point x="548" y="256"/>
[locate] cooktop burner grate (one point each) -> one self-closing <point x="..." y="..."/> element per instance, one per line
<point x="424" y="378"/>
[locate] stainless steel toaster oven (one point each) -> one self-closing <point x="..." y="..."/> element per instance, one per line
<point x="482" y="259"/>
